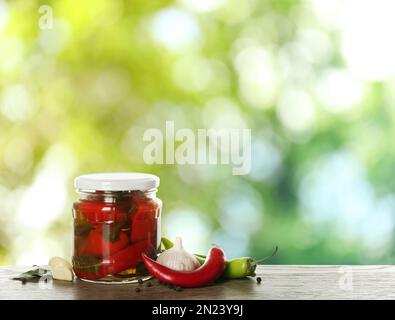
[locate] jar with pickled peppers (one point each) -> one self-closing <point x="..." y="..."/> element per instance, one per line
<point x="116" y="219"/>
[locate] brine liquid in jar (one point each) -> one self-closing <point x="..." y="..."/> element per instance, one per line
<point x="116" y="219"/>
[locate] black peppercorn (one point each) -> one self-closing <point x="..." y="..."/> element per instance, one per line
<point x="138" y="289"/>
<point x="258" y="280"/>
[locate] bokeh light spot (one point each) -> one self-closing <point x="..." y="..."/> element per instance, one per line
<point x="295" y="110"/>
<point x="56" y="39"/>
<point x="267" y="160"/>
<point x="191" y="225"/>
<point x="175" y="28"/>
<point x="203" y="5"/>
<point x="339" y="91"/>
<point x="193" y="73"/>
<point x="17" y="103"/>
<point x="257" y="80"/>
<point x="241" y="209"/>
<point x="3" y="14"/>
<point x="367" y="33"/>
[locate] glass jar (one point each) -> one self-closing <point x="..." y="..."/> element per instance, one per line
<point x="116" y="219"/>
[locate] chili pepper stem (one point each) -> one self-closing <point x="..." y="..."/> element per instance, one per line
<point x="255" y="262"/>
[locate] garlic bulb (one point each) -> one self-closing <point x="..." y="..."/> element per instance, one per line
<point x="177" y="258"/>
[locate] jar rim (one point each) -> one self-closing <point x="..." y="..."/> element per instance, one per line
<point x="117" y="181"/>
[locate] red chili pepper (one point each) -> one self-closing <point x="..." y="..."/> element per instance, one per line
<point x="96" y="245"/>
<point x="87" y="275"/>
<point x="144" y="221"/>
<point x="122" y="260"/>
<point x="126" y="258"/>
<point x="99" y="212"/>
<point x="205" y="274"/>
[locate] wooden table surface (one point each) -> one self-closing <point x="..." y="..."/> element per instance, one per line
<point x="278" y="282"/>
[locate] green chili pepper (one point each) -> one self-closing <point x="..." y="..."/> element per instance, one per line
<point x="243" y="267"/>
<point x="167" y="244"/>
<point x="240" y="268"/>
<point x="200" y="259"/>
<point x="235" y="268"/>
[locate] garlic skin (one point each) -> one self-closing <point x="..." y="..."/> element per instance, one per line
<point x="177" y="258"/>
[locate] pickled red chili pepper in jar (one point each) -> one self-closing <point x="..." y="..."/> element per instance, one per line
<point x="116" y="219"/>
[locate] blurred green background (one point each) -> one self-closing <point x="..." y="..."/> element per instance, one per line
<point x="314" y="80"/>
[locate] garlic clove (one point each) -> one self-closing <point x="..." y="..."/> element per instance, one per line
<point x="61" y="273"/>
<point x="177" y="258"/>
<point x="61" y="269"/>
